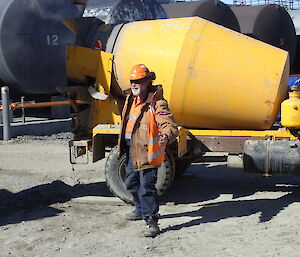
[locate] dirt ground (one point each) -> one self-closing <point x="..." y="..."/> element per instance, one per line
<point x="209" y="211"/>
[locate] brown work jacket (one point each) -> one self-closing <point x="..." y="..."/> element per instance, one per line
<point x="139" y="141"/>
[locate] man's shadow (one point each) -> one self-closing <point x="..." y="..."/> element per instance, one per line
<point x="200" y="184"/>
<point x="34" y="203"/>
<point x="197" y="185"/>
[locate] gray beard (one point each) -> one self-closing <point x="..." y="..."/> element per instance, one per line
<point x="136" y="92"/>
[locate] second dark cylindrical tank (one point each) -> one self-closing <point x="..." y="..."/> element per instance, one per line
<point x="268" y="23"/>
<point x="212" y="10"/>
<point x="295" y="15"/>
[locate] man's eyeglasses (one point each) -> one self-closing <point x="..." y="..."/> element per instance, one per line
<point x="138" y="81"/>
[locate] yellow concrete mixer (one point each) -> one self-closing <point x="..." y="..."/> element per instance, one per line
<point x="224" y="89"/>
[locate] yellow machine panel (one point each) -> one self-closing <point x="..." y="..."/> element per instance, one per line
<point x="83" y="63"/>
<point x="212" y="77"/>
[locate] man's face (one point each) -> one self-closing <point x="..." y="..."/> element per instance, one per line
<point x="140" y="87"/>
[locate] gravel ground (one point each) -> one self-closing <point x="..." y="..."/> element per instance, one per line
<point x="209" y="211"/>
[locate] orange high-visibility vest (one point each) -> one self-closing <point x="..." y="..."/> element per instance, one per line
<point x="156" y="153"/>
<point x="131" y="118"/>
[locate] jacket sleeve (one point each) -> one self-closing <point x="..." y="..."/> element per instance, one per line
<point x="120" y="147"/>
<point x="165" y="120"/>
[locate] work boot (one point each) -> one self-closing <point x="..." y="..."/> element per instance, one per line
<point x="133" y="216"/>
<point x="152" y="229"/>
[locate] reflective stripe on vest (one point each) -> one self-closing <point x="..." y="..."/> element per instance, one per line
<point x="131" y="118"/>
<point x="156" y="153"/>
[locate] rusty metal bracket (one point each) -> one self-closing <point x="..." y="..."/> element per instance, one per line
<point x="267" y="160"/>
<point x="79" y="151"/>
<point x="182" y="141"/>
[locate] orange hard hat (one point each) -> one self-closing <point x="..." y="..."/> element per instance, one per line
<point x="139" y="71"/>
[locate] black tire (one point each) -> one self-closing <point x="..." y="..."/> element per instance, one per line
<point x="115" y="175"/>
<point x="181" y="166"/>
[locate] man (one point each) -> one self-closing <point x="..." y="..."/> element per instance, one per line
<point x="147" y="127"/>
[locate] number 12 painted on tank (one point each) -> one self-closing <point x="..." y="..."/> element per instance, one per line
<point x="52" y="40"/>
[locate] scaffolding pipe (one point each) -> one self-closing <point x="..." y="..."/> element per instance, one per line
<point x="23" y="109"/>
<point x="5" y="113"/>
<point x="73" y="103"/>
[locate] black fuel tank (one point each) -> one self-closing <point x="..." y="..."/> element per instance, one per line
<point x="212" y="10"/>
<point x="272" y="157"/>
<point x="122" y="11"/>
<point x="33" y="43"/>
<point x="295" y="15"/>
<point x="113" y="12"/>
<point x="269" y="23"/>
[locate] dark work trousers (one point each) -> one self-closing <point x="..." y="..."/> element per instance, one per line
<point x="141" y="184"/>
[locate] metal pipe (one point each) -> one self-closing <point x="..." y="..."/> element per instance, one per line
<point x="14" y="106"/>
<point x="5" y="113"/>
<point x="23" y="110"/>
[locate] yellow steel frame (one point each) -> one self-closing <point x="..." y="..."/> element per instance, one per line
<point x="106" y="129"/>
<point x="282" y="133"/>
<point x="85" y="62"/>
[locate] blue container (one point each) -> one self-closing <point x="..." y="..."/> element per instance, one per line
<point x="294" y="80"/>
